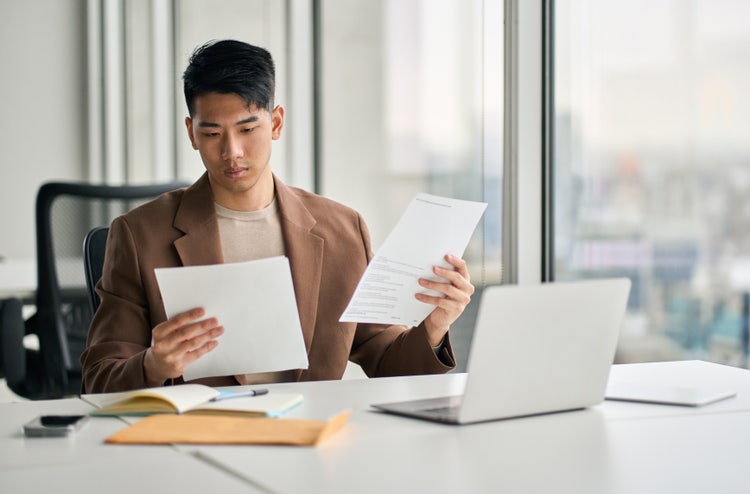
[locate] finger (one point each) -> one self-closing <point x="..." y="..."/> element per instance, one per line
<point x="175" y="344"/>
<point x="437" y="286"/>
<point x="177" y="321"/>
<point x="428" y="299"/>
<point x="445" y="313"/>
<point x="456" y="286"/>
<point x="192" y="330"/>
<point x="197" y="353"/>
<point x="460" y="291"/>
<point x="190" y="344"/>
<point x="203" y="349"/>
<point x="454" y="277"/>
<point x="459" y="264"/>
<point x="177" y="367"/>
<point x="177" y="358"/>
<point x="457" y="297"/>
<point x="174" y="365"/>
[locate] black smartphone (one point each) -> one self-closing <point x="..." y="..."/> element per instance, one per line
<point x="53" y="425"/>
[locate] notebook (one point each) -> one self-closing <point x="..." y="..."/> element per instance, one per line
<point x="536" y="349"/>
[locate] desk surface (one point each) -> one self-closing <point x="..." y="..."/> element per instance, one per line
<point x="613" y="447"/>
<point x="83" y="463"/>
<point x="18" y="276"/>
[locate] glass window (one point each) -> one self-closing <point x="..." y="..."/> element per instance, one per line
<point x="651" y="155"/>
<point x="411" y="101"/>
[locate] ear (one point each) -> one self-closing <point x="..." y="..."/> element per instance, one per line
<point x="189" y="126"/>
<point x="277" y="122"/>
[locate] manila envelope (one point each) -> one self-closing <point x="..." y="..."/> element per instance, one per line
<point x="217" y="429"/>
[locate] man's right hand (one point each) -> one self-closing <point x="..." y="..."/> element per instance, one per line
<point x="179" y="341"/>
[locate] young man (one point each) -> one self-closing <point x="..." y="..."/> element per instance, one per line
<point x="239" y="211"/>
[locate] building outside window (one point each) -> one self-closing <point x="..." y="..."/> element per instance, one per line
<point x="652" y="167"/>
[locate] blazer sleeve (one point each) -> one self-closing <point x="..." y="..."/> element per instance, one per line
<point x="397" y="350"/>
<point x="120" y="331"/>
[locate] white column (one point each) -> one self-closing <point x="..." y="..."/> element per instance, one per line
<point x="114" y="93"/>
<point x="301" y="122"/>
<point x="162" y="39"/>
<point x="95" y="173"/>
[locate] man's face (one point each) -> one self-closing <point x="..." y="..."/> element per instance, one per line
<point x="234" y="141"/>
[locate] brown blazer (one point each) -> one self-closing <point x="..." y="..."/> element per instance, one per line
<point x="328" y="246"/>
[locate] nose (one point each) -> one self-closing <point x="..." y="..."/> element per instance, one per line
<point x="231" y="148"/>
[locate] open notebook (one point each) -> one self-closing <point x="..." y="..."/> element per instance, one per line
<point x="191" y="399"/>
<point x="536" y="349"/>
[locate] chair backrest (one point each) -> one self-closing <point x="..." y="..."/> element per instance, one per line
<point x="94" y="246"/>
<point x="65" y="212"/>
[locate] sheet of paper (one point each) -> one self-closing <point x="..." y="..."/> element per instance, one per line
<point x="431" y="227"/>
<point x="255" y="303"/>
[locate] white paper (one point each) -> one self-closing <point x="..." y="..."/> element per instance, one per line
<point x="255" y="303"/>
<point x="430" y="228"/>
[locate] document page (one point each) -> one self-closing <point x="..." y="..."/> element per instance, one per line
<point x="255" y="303"/>
<point x="430" y="228"/>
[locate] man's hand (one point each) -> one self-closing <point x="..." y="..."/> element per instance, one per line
<point x="179" y="341"/>
<point x="457" y="290"/>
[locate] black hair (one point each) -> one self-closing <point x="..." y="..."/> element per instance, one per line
<point x="230" y="66"/>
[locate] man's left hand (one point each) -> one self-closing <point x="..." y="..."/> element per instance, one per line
<point x="457" y="290"/>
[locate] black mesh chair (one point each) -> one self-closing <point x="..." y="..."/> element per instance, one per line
<point x="94" y="246"/>
<point x="65" y="213"/>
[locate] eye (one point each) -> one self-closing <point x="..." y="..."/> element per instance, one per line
<point x="247" y="130"/>
<point x="211" y="134"/>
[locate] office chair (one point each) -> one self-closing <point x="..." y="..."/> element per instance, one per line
<point x="65" y="212"/>
<point x="94" y="246"/>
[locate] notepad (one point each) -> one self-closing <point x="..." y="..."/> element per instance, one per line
<point x="196" y="399"/>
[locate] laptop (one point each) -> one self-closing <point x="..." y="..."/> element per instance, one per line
<point x="536" y="349"/>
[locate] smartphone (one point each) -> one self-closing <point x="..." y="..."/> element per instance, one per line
<point x="53" y="425"/>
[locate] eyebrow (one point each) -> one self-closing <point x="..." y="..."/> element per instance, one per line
<point x="250" y="119"/>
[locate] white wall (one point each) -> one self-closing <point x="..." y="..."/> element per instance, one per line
<point x="43" y="104"/>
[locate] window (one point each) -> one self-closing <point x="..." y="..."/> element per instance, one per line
<point x="411" y="101"/>
<point x="651" y="175"/>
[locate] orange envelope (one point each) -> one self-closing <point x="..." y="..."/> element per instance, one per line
<point x="217" y="429"/>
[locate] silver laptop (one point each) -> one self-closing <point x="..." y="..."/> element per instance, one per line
<point x="536" y="349"/>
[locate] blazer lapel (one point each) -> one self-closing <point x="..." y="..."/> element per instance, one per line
<point x="197" y="220"/>
<point x="305" y="252"/>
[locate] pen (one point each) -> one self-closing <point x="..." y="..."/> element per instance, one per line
<point x="239" y="394"/>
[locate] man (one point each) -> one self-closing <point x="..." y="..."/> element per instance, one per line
<point x="239" y="211"/>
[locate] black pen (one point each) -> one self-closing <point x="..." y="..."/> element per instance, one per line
<point x="239" y="394"/>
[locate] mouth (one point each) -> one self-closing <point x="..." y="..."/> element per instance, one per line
<point x="235" y="172"/>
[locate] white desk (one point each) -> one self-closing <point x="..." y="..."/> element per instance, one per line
<point x="615" y="447"/>
<point x="611" y="448"/>
<point x="18" y="278"/>
<point x="83" y="463"/>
